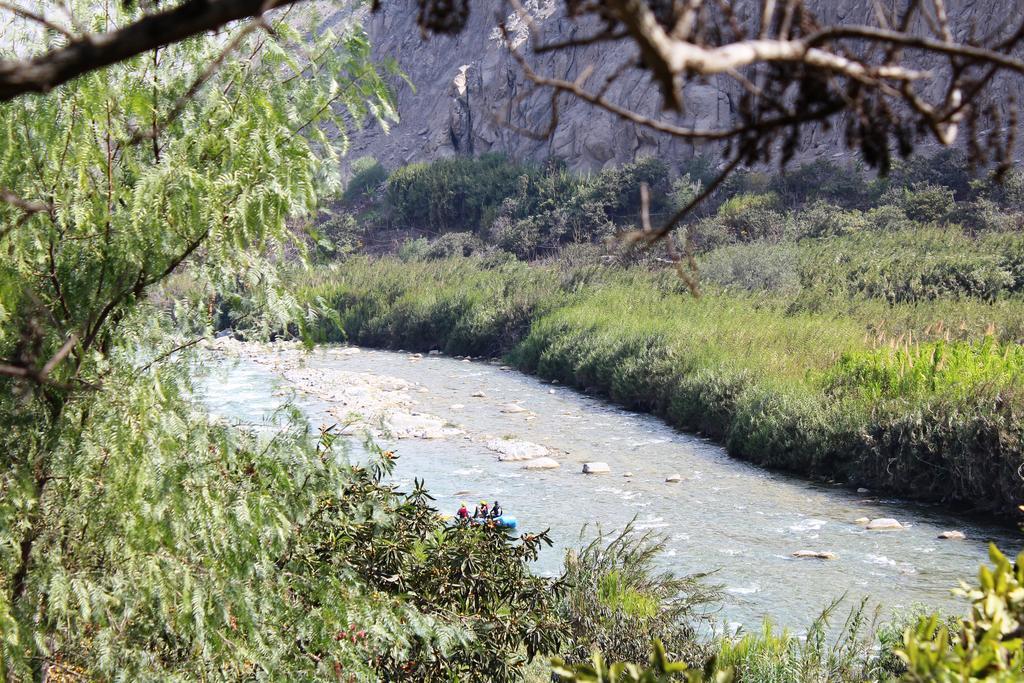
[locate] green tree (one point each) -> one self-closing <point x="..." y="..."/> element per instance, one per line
<point x="132" y="537"/>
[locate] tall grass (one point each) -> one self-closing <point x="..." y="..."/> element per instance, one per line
<point x="821" y="391"/>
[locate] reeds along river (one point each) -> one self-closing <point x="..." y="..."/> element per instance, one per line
<point x="724" y="515"/>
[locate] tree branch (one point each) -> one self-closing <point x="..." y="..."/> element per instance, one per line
<point x="28" y="206"/>
<point x="37" y="18"/>
<point x="50" y="69"/>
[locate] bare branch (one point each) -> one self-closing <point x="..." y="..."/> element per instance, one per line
<point x="27" y="206"/>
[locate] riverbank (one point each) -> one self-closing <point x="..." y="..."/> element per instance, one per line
<point x="801" y="391"/>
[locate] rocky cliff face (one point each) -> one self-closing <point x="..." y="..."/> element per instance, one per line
<point x="465" y="86"/>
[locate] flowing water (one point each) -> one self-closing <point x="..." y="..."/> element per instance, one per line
<point x="725" y="515"/>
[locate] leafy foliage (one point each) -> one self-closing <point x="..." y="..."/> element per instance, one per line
<point x="988" y="646"/>
<point x="368" y="175"/>
<point x="617" y="602"/>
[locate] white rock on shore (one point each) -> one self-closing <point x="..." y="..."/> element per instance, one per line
<point x="596" y="468"/>
<point x="541" y="464"/>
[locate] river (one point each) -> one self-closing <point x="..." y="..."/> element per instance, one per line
<point x="725" y="515"/>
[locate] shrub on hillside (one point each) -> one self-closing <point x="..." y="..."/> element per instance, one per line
<point x="367" y="177"/>
<point x="825" y="181"/>
<point x="454" y="244"/>
<point x="758" y="266"/>
<point x="821" y="219"/>
<point x="338" y="235"/>
<point x="618" y="188"/>
<point x="983" y="215"/>
<point x="947" y="168"/>
<point x="888" y="218"/>
<point x="923" y="202"/>
<point x="749" y="217"/>
<point x="454" y="194"/>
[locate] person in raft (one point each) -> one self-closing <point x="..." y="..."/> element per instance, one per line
<point x="496" y="510"/>
<point x="482" y="511"/>
<point x="463" y="513"/>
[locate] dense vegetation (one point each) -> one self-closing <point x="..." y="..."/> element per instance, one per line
<point x="141" y="540"/>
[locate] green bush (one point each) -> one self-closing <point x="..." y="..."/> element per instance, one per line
<point x="367" y="177"/>
<point x="616" y="600"/>
<point x="453" y="194"/>
<point x="821" y="219"/>
<point x="923" y="202"/>
<point x="822" y="181"/>
<point x="454" y="244"/>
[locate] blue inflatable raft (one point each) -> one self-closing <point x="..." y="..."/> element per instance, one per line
<point x="507" y="521"/>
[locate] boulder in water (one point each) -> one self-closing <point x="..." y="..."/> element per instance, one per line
<point x="883" y="524"/>
<point x="952" y="535"/>
<point x="815" y="554"/>
<point x="512" y="450"/>
<point x="862" y="490"/>
<point x="674" y="478"/>
<point x="627" y="474"/>
<point x="861" y="521"/>
<point x="541" y="464"/>
<point x="512" y="408"/>
<point x="434" y="352"/>
<point x="415" y="425"/>
<point x="596" y="468"/>
<point x="477" y="394"/>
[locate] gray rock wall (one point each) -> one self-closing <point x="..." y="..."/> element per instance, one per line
<point x="465" y="84"/>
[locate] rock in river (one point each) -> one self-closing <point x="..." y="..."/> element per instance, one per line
<point x="477" y="394"/>
<point x="815" y="554"/>
<point x="415" y="425"/>
<point x="540" y="464"/>
<point x="511" y="450"/>
<point x="674" y="478"/>
<point x="596" y="468"/>
<point x="861" y="521"/>
<point x="952" y="535"/>
<point x="883" y="524"/>
<point x="512" y="408"/>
